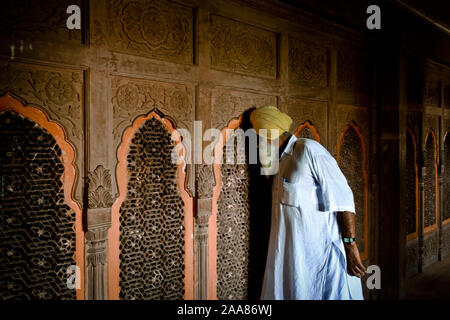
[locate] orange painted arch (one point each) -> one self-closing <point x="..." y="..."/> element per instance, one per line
<point x="9" y="102"/>
<point x="352" y="125"/>
<point x="122" y="182"/>
<point x="308" y="124"/>
<point x="436" y="177"/>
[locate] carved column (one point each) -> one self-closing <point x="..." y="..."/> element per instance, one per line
<point x="204" y="192"/>
<point x="98" y="223"/>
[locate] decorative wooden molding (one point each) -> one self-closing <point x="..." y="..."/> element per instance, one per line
<point x="352" y="125"/>
<point x="9" y="102"/>
<point x="444" y="172"/>
<point x="122" y="181"/>
<point x="414" y="235"/>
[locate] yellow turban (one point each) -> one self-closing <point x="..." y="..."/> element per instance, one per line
<point x="270" y="117"/>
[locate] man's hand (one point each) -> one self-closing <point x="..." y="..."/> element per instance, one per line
<point x="354" y="264"/>
<point x="346" y="222"/>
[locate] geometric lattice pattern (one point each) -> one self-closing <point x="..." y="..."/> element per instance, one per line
<point x="152" y="219"/>
<point x="233" y="224"/>
<point x="350" y="162"/>
<point x="307" y="133"/>
<point x="429" y="183"/>
<point x="446" y="195"/>
<point x="36" y="227"/>
<point x="410" y="195"/>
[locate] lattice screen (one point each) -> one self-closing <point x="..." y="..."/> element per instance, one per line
<point x="152" y="219"/>
<point x="430" y="183"/>
<point x="37" y="229"/>
<point x="410" y="196"/>
<point x="350" y="162"/>
<point x="233" y="226"/>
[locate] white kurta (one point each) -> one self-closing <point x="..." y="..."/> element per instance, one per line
<point x="306" y="255"/>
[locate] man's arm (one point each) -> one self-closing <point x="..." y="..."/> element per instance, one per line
<point x="346" y="222"/>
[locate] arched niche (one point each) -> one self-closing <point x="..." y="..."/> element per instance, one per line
<point x="240" y="221"/>
<point x="41" y="222"/>
<point x="446" y="178"/>
<point x="430" y="183"/>
<point x="151" y="237"/>
<point x="412" y="186"/>
<point x="351" y="157"/>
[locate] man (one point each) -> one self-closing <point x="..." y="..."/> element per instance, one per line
<point x="312" y="252"/>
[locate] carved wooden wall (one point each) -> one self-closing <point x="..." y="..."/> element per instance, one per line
<point x="208" y="61"/>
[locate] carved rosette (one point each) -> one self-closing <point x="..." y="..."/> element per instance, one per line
<point x="241" y="48"/>
<point x="307" y="63"/>
<point x="156" y="29"/>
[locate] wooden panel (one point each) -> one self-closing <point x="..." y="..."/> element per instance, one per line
<point x="229" y="104"/>
<point x="242" y="48"/>
<point x="156" y="29"/>
<point x="302" y="110"/>
<point x="308" y="63"/>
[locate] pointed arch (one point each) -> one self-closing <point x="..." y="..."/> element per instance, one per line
<point x="307" y="125"/>
<point x="122" y="182"/>
<point x="365" y="178"/>
<point x="9" y="102"/>
<point x="432" y="135"/>
<point x="413" y="138"/>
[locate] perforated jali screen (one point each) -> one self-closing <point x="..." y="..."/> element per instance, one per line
<point x="430" y="183"/>
<point x="233" y="225"/>
<point x="37" y="228"/>
<point x="152" y="219"/>
<point x="350" y="162"/>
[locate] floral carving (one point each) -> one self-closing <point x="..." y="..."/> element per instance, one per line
<point x="307" y="63"/>
<point x="241" y="48"/>
<point x="205" y="181"/>
<point x="100" y="188"/>
<point x="156" y="29"/>
<point x="59" y="90"/>
<point x="227" y="105"/>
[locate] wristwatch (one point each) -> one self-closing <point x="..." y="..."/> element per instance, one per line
<point x="348" y="240"/>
